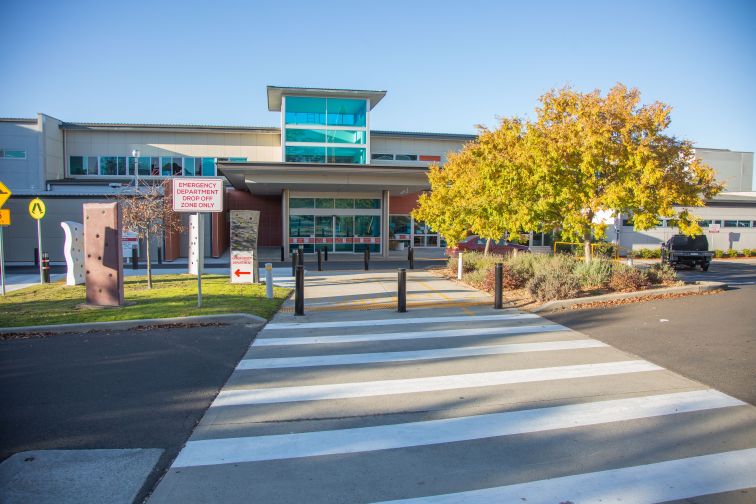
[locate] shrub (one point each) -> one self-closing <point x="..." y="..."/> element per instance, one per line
<point x="514" y="278"/>
<point x="595" y="273"/>
<point x="662" y="274"/>
<point x="732" y="253"/>
<point x="719" y="253"/>
<point x="627" y="278"/>
<point x="554" y="280"/>
<point x="604" y="249"/>
<point x="649" y="253"/>
<point x="746" y="252"/>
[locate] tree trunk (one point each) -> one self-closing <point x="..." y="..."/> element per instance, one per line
<point x="488" y="247"/>
<point x="587" y="247"/>
<point x="149" y="264"/>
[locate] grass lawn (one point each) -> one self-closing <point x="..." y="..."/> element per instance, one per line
<point x="170" y="296"/>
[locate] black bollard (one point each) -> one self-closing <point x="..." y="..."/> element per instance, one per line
<point x="294" y="261"/>
<point x="282" y="254"/>
<point x="299" y="292"/>
<point x="160" y="255"/>
<point x="45" y="267"/>
<point x="401" y="298"/>
<point x="36" y="257"/>
<point x="411" y="257"/>
<point x="134" y="259"/>
<point x="301" y="256"/>
<point x="366" y="255"/>
<point x="497" y="286"/>
<point x="325" y="250"/>
<point x="320" y="260"/>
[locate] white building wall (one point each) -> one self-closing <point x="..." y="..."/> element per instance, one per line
<point x="22" y="174"/>
<point x="380" y="144"/>
<point x="734" y="168"/>
<point x="52" y="138"/>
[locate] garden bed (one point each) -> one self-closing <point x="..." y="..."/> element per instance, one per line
<point x="533" y="279"/>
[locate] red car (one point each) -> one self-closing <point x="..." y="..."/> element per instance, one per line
<point x="477" y="244"/>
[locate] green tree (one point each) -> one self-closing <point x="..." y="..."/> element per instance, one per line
<point x="594" y="153"/>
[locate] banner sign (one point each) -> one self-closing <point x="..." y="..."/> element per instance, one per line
<point x="129" y="240"/>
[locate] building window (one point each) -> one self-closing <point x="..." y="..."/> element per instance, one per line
<point x="305" y="110"/>
<point x="346" y="155"/>
<point x="208" y="167"/>
<point x="730" y="223"/>
<point x="344" y="203"/>
<point x="324" y="203"/>
<point x="12" y="154"/>
<point x="82" y="165"/>
<point x="382" y="157"/>
<point x="144" y="163"/>
<point x="347" y="137"/>
<point x="435" y="159"/>
<point x="171" y="166"/>
<point x="400" y="225"/>
<point x="113" y="166"/>
<point x="306" y="135"/>
<point x="301" y="203"/>
<point x="305" y="154"/>
<point x="189" y="168"/>
<point x="367" y="203"/>
<point x="406" y="157"/>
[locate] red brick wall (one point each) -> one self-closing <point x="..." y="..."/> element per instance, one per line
<point x="402" y="204"/>
<point x="271" y="229"/>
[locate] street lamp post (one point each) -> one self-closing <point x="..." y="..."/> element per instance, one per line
<point x="135" y="153"/>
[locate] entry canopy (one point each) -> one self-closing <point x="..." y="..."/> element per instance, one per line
<point x="272" y="178"/>
<point x="275" y="94"/>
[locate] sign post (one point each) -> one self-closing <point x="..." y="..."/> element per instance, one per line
<point x="5" y="220"/>
<point x="197" y="195"/>
<point x="37" y="211"/>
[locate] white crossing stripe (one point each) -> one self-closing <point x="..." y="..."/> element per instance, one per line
<point x="644" y="484"/>
<point x="235" y="397"/>
<point x="396" y="321"/>
<point x="437" y="353"/>
<point x="449" y="430"/>
<point x="443" y="333"/>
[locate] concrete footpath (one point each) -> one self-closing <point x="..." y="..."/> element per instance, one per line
<point x="454" y="402"/>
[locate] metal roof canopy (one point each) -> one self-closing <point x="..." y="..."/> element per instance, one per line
<point x="272" y="178"/>
<point x="275" y="94"/>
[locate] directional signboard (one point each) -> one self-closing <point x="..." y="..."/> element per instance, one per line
<point x="197" y="194"/>
<point x="242" y="266"/>
<point x="37" y="208"/>
<point x="4" y="194"/>
<point x="5" y="219"/>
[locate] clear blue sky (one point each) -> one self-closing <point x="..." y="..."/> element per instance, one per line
<point x="446" y="65"/>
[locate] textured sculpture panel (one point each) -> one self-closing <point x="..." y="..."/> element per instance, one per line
<point x="103" y="255"/>
<point x="73" y="250"/>
<point x="244" y="227"/>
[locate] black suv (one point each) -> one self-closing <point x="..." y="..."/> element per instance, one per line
<point x="690" y="251"/>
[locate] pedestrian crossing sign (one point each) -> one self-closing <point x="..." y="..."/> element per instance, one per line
<point x="37" y="208"/>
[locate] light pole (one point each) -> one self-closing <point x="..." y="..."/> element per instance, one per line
<point x="135" y="153"/>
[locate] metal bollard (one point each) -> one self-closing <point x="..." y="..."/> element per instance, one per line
<point x="301" y="256"/>
<point x="299" y="292"/>
<point x="134" y="258"/>
<point x="282" y="254"/>
<point x="36" y="257"/>
<point x="459" y="266"/>
<point x="45" y="267"/>
<point x="366" y="255"/>
<point x="320" y="260"/>
<point x="411" y="258"/>
<point x="160" y="255"/>
<point x="269" y="280"/>
<point x="294" y="262"/>
<point x="401" y="297"/>
<point x="498" y="305"/>
<point x="325" y="250"/>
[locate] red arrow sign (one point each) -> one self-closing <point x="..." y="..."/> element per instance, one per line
<point x="239" y="272"/>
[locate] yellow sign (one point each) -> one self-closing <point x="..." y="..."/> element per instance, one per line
<point x="4" y="216"/>
<point x="37" y="208"/>
<point x="4" y="194"/>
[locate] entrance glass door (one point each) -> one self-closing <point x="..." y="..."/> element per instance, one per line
<point x="324" y="232"/>
<point x="343" y="226"/>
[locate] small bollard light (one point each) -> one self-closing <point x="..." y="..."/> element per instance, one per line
<point x="269" y="280"/>
<point x="45" y="267"/>
<point x="134" y="259"/>
<point x="301" y="256"/>
<point x="320" y="260"/>
<point x="411" y="257"/>
<point x="294" y="262"/>
<point x="401" y="297"/>
<point x="498" y="302"/>
<point x="459" y="266"/>
<point x="299" y="292"/>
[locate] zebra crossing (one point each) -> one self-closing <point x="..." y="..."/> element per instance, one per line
<point x="450" y="406"/>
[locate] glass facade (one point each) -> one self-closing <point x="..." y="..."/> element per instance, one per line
<point x="147" y="166"/>
<point x="334" y="128"/>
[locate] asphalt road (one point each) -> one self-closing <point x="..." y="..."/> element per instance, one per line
<point x="119" y="389"/>
<point x="711" y="338"/>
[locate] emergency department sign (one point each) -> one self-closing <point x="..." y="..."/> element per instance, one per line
<point x="197" y="194"/>
<point x="37" y="208"/>
<point x="242" y="267"/>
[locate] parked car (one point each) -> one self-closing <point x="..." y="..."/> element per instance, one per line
<point x="474" y="243"/>
<point x="690" y="251"/>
